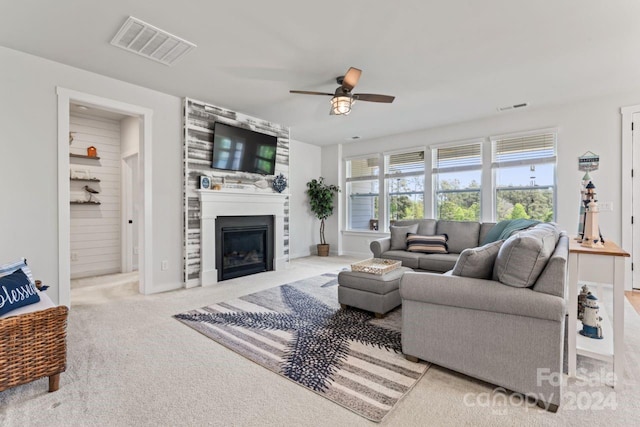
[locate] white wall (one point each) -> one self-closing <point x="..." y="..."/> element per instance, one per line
<point x="592" y="124"/>
<point x="129" y="136"/>
<point x="95" y="229"/>
<point x="304" y="165"/>
<point x="332" y="173"/>
<point x="28" y="163"/>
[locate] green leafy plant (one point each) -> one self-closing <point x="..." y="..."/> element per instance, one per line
<point x="321" y="201"/>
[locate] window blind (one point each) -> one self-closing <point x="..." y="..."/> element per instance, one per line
<point x="362" y="169"/>
<point x="458" y="158"/>
<point x="524" y="150"/>
<point x="405" y="164"/>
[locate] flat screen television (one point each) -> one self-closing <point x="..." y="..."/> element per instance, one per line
<point x="239" y="149"/>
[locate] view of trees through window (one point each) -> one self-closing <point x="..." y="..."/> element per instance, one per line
<point x="406" y="198"/>
<point x="456" y="203"/>
<point x="528" y="204"/>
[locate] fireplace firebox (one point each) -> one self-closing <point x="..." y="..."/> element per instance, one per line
<point x="244" y="245"/>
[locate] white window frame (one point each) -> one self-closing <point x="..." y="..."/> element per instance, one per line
<point x="383" y="181"/>
<point x="434" y="170"/>
<point x="348" y="179"/>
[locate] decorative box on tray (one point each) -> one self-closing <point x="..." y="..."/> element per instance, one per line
<point x="377" y="266"/>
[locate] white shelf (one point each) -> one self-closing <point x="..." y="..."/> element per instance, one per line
<point x="594" y="348"/>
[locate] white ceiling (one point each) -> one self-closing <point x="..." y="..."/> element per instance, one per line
<point x="445" y="61"/>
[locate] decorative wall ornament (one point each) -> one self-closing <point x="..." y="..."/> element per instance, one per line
<point x="279" y="183"/>
<point x="588" y="162"/>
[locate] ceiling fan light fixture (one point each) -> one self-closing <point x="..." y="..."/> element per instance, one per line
<point x="341" y="105"/>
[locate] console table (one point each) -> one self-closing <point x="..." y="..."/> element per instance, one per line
<point x="611" y="347"/>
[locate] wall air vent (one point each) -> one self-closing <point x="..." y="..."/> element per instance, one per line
<point x="513" y="107"/>
<point x="146" y="40"/>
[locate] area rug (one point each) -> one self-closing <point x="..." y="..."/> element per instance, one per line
<point x="299" y="331"/>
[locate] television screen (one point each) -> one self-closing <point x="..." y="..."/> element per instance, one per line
<point x="239" y="149"/>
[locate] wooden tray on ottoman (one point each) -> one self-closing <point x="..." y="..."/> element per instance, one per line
<point x="377" y="266"/>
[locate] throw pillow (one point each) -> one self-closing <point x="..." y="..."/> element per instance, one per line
<point x="16" y="291"/>
<point x="9" y="268"/>
<point x="523" y="256"/>
<point x="478" y="262"/>
<point x="399" y="236"/>
<point x="427" y="244"/>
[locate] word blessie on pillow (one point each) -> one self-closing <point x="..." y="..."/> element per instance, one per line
<point x="16" y="290"/>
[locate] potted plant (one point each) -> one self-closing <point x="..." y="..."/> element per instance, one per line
<point x="321" y="202"/>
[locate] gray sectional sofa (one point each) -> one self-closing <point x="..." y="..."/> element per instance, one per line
<point x="506" y="328"/>
<point x="462" y="235"/>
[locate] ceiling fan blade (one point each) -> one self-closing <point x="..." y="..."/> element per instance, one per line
<point x="351" y="78"/>
<point x="307" y="92"/>
<point x="372" y="97"/>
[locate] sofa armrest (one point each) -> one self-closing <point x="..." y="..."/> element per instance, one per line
<point x="379" y="246"/>
<point x="479" y="294"/>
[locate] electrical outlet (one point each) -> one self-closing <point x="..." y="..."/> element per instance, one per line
<point x="605" y="206"/>
<point x="165" y="265"/>
<point x="135" y="250"/>
<point x="74" y="256"/>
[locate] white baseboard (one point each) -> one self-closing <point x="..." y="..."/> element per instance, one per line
<point x="300" y="254"/>
<point x="363" y="255"/>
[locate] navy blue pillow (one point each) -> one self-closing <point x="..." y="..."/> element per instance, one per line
<point x="16" y="291"/>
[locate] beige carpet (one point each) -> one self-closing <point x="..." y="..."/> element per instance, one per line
<point x="132" y="364"/>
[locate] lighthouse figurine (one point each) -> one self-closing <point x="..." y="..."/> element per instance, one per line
<point x="591" y="319"/>
<point x="591" y="231"/>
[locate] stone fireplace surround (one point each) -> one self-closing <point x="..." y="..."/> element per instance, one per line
<point x="227" y="202"/>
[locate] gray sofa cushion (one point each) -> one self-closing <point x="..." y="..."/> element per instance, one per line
<point x="478" y="294"/>
<point x="399" y="235"/>
<point x="552" y="278"/>
<point x="485" y="227"/>
<point x="427" y="244"/>
<point x="523" y="256"/>
<point x="462" y="235"/>
<point x="437" y="262"/>
<point x="478" y="262"/>
<point x="427" y="227"/>
<point x="409" y="259"/>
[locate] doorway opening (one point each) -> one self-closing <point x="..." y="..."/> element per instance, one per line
<point x="104" y="195"/>
<point x="631" y="194"/>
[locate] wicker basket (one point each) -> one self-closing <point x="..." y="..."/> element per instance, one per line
<point x="33" y="346"/>
<point x="377" y="266"/>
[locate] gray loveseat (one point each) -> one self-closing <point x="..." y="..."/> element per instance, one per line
<point x="461" y="234"/>
<point x="509" y="335"/>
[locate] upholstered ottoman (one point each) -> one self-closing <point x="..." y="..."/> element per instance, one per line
<point x="371" y="292"/>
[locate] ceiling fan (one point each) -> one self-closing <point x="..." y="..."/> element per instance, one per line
<point x="343" y="99"/>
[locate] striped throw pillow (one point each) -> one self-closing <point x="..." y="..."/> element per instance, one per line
<point x="9" y="268"/>
<point x="427" y="244"/>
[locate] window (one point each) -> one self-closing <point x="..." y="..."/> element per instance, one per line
<point x="524" y="170"/>
<point x="363" y="193"/>
<point x="457" y="177"/>
<point x="404" y="185"/>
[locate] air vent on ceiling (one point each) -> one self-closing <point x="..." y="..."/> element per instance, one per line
<point x="513" y="107"/>
<point x="144" y="39"/>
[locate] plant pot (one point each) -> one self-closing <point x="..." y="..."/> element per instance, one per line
<point x="323" y="250"/>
